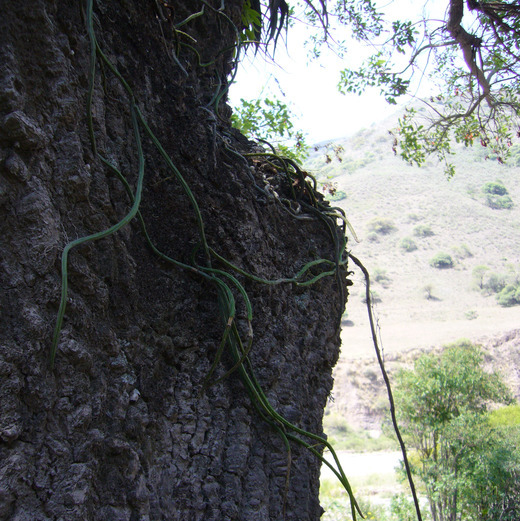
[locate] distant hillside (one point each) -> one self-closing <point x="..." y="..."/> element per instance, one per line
<point x="428" y="215"/>
<point x="404" y="216"/>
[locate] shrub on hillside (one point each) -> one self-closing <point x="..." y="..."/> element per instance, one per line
<point x="462" y="252"/>
<point x="408" y="244"/>
<point x="413" y="218"/>
<point x="423" y="230"/>
<point x="509" y="296"/>
<point x="499" y="202"/>
<point x="428" y="292"/>
<point x="478" y="275"/>
<point x="381" y="226"/>
<point x="495" y="188"/>
<point x="494" y="283"/>
<point x="442" y="261"/>
<point x="381" y="276"/>
<point x="471" y="314"/>
<point x="373" y="237"/>
<point x="497" y="196"/>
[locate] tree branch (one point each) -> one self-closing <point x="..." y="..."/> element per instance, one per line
<point x="468" y="44"/>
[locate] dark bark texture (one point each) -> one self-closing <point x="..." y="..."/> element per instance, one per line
<point x="122" y="428"/>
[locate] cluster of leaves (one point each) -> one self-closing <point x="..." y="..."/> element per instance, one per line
<point x="271" y="120"/>
<point x="467" y="464"/>
<point x="251" y="23"/>
<point x="373" y="74"/>
<point x="254" y="13"/>
<point x="475" y="73"/>
<point x="476" y="77"/>
<point x="360" y="16"/>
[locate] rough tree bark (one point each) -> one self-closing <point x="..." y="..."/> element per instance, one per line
<point x="121" y="429"/>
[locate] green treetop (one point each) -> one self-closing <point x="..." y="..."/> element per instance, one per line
<point x="467" y="466"/>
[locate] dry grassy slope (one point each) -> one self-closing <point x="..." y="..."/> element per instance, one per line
<point x="377" y="184"/>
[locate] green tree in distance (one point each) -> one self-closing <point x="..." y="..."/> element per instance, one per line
<point x="469" y="51"/>
<point x="466" y="464"/>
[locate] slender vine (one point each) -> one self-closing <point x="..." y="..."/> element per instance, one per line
<point x="305" y="202"/>
<point x="381" y="363"/>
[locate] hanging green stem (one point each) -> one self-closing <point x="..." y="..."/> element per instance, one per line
<point x="94" y="237"/>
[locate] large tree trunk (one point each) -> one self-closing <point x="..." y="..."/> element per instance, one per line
<point x="122" y="428"/>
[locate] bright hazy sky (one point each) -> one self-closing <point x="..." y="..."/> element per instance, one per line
<point x="311" y="88"/>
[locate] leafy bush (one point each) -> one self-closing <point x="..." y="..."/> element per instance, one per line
<point x="499" y="202"/>
<point x="381" y="226"/>
<point x="442" y="261"/>
<point x="428" y="292"/>
<point x="494" y="283"/>
<point x="423" y="230"/>
<point x="509" y="296"/>
<point x="442" y="408"/>
<point x="505" y="286"/>
<point x="462" y="251"/>
<point x="402" y="508"/>
<point x="478" y="275"/>
<point x="407" y="244"/>
<point x="496" y="188"/>
<point x="497" y="196"/>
